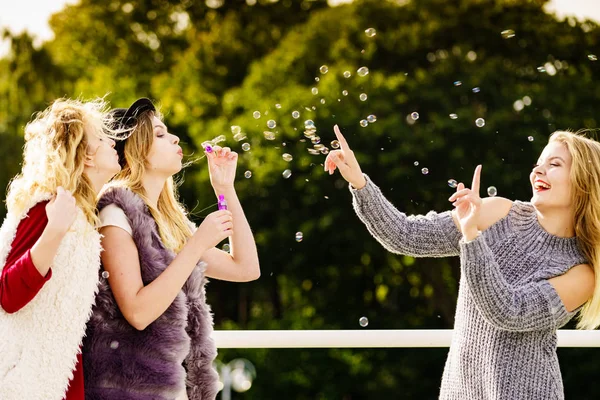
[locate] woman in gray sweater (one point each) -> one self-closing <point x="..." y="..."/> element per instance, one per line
<point x="526" y="267"/>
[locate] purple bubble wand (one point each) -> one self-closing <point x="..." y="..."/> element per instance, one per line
<point x="222" y="203"/>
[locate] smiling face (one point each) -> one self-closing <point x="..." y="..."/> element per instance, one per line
<point x="165" y="154"/>
<point x="550" y="177"/>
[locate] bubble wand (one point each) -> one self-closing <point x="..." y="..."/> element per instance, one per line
<point x="221" y="203"/>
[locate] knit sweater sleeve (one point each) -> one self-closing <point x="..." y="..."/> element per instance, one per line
<point x="530" y="307"/>
<point x="431" y="235"/>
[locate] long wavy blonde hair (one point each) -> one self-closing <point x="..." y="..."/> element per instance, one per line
<point x="585" y="179"/>
<point x="56" y="147"/>
<point x="171" y="218"/>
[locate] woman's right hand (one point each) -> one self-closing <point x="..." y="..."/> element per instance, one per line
<point x="345" y="161"/>
<point x="61" y="211"/>
<point x="214" y="229"/>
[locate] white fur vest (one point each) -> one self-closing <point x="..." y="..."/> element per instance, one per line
<point x="40" y="342"/>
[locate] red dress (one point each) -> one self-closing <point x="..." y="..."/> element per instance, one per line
<point x="21" y="281"/>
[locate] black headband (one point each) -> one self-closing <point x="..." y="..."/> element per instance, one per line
<point x="127" y="118"/>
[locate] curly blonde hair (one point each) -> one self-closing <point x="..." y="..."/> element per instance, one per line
<point x="55" y="149"/>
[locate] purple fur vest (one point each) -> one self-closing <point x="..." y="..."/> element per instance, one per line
<point x="175" y="351"/>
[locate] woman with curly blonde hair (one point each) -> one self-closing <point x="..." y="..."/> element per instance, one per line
<point x="50" y="251"/>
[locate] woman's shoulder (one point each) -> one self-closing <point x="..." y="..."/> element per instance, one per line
<point x="122" y="196"/>
<point x="493" y="210"/>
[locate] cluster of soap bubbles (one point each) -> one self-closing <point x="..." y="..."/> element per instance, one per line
<point x="318" y="148"/>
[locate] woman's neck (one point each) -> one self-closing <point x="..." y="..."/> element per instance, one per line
<point x="153" y="185"/>
<point x="557" y="222"/>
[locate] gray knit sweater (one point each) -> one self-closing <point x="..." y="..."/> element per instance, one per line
<point x="504" y="342"/>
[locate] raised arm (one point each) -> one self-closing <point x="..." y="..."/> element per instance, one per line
<point x="241" y="264"/>
<point x="432" y="235"/>
<point x="37" y="239"/>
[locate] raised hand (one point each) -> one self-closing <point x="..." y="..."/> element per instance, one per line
<point x="61" y="211"/>
<point x="222" y="164"/>
<point x="468" y="206"/>
<point x="345" y="161"/>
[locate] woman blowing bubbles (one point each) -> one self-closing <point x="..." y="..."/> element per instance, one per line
<point x="149" y="335"/>
<point x="526" y="267"/>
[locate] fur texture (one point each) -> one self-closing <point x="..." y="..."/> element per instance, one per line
<point x="39" y="343"/>
<point x="122" y="363"/>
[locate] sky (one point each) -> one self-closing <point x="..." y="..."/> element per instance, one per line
<point x="32" y="15"/>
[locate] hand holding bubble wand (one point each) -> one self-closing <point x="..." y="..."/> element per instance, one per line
<point x="222" y="165"/>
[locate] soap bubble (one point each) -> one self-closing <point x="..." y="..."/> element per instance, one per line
<point x="453" y="116"/>
<point x="363" y="97"/>
<point x="271" y="124"/>
<point x="530" y="138"/>
<point x="457" y="83"/>
<point x="114" y="345"/>
<point x="299" y="236"/>
<point x="324" y="69"/>
<point x="345" y="92"/>
<point x="239" y="137"/>
<point x="335" y="144"/>
<point x="256" y="114"/>
<point x="592" y="57"/>
<point x="277" y="105"/>
<point x="309" y="124"/>
<point x="476" y="90"/>
<point x="364" y="123"/>
<point x="248" y="174"/>
<point x="414" y="115"/>
<point x="314" y="91"/>
<point x="370" y="32"/>
<point x="416" y="163"/>
<point x="246" y="146"/>
<point x="371" y="118"/>
<point x="295" y="114"/>
<point x="269" y="135"/>
<point x="287" y="157"/>
<point x="226" y="247"/>
<point x="425" y="171"/>
<point x="452" y="183"/>
<point x="363" y="321"/>
<point x="480" y="122"/>
<point x="507" y="34"/>
<point x="236" y="129"/>
<point x="362" y="71"/>
<point x="286" y="174"/>
<point x="347" y="74"/>
<point x="105" y="274"/>
<point x="492" y="191"/>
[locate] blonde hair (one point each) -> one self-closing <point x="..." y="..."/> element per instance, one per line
<point x="585" y="178"/>
<point x="56" y="147"/>
<point x="170" y="216"/>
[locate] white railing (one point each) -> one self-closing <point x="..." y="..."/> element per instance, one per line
<point x="286" y="339"/>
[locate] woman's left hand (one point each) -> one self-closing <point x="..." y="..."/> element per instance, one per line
<point x="222" y="164"/>
<point x="468" y="206"/>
